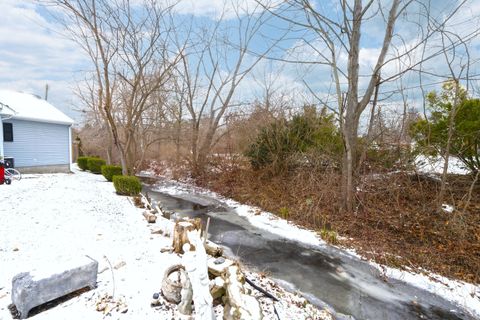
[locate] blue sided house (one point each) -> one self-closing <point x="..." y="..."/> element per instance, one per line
<point x="35" y="136"/>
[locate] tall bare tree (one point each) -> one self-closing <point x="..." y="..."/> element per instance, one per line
<point x="212" y="67"/>
<point x="127" y="43"/>
<point x="334" y="38"/>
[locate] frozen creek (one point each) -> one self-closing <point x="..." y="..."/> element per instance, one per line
<point x="325" y="275"/>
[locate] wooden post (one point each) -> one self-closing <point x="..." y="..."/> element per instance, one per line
<point x="205" y="236"/>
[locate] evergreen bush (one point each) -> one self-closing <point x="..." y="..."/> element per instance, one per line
<point x="127" y="185"/>
<point x="95" y="165"/>
<point x="82" y="163"/>
<point x="108" y="171"/>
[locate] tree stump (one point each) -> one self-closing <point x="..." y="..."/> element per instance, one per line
<point x="180" y="230"/>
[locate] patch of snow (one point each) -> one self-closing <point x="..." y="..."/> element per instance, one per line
<point x="448" y="208"/>
<point x="434" y="165"/>
<point x="464" y="294"/>
<point x="56" y="217"/>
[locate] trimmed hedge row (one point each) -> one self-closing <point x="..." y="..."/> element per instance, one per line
<point x="108" y="171"/>
<point x="127" y="185"/>
<point x="82" y="163"/>
<point x="95" y="165"/>
<point x="124" y="185"/>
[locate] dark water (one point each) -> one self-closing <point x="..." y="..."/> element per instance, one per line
<point x="325" y="275"/>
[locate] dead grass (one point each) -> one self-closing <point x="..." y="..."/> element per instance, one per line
<point x="395" y="222"/>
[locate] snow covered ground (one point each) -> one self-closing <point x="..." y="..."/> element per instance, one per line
<point x="434" y="165"/>
<point x="47" y="219"/>
<point x="463" y="294"/>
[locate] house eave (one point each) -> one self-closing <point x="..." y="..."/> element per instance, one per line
<point x="14" y="117"/>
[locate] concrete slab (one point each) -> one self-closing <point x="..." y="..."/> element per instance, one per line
<point x="34" y="288"/>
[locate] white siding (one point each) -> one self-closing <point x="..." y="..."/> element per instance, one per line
<point x="38" y="144"/>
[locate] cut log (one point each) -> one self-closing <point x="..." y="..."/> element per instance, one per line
<point x="238" y="304"/>
<point x="213" y="249"/>
<point x="150" y="217"/>
<point x="180" y="231"/>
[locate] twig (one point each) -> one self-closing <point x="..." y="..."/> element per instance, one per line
<point x="113" y="277"/>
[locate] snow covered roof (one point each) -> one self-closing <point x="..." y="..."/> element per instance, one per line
<point x="30" y="107"/>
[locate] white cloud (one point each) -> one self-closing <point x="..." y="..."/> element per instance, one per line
<point x="217" y="8"/>
<point x="34" y="53"/>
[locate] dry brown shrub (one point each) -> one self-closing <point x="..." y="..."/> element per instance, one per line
<point x="395" y="223"/>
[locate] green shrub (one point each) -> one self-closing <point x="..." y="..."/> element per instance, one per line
<point x="127" y="185"/>
<point x="109" y="171"/>
<point x="432" y="134"/>
<point x="82" y="163"/>
<point x="95" y="165"/>
<point x="286" y="142"/>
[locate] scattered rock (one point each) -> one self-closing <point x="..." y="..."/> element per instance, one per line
<point x="106" y="304"/>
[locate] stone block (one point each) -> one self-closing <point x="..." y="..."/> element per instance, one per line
<point x="31" y="289"/>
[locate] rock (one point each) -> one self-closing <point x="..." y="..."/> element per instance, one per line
<point x="238" y="304"/>
<point x="213" y="249"/>
<point x="150" y="217"/>
<point x="119" y="265"/>
<point x="216" y="268"/>
<point x="217" y="287"/>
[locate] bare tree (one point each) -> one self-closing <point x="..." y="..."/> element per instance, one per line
<point x="212" y="67"/>
<point x="128" y="46"/>
<point x="337" y="32"/>
<point x="450" y="39"/>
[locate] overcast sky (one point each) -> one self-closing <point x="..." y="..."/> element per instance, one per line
<point x="34" y="52"/>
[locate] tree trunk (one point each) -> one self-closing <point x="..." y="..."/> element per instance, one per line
<point x="347" y="171"/>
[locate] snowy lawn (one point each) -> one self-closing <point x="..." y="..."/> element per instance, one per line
<point x="46" y="219"/>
